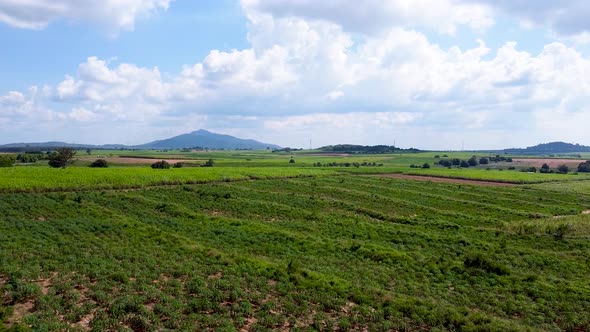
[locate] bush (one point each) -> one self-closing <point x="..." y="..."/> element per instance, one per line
<point x="291" y="161"/>
<point x="7" y="160"/>
<point x="445" y="162"/>
<point x="99" y="163"/>
<point x="426" y="165"/>
<point x="464" y="164"/>
<point x="563" y="169"/>
<point x="472" y="161"/>
<point x="484" y="161"/>
<point x="544" y="169"/>
<point x="209" y="163"/>
<point x="162" y="164"/>
<point x="584" y="167"/>
<point x="177" y="165"/>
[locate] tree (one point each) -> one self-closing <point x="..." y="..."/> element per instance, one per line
<point x="445" y="162"/>
<point x="464" y="164"/>
<point x="291" y="161"/>
<point x="88" y="151"/>
<point x="209" y="163"/>
<point x="472" y="161"/>
<point x="162" y="164"/>
<point x="426" y="165"/>
<point x="544" y="169"/>
<point x="99" y="163"/>
<point x="563" y="169"/>
<point x="584" y="167"/>
<point x="456" y="161"/>
<point x="484" y="161"/>
<point x="62" y="157"/>
<point x="7" y="160"/>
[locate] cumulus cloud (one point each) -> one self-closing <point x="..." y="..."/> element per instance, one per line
<point x="566" y="18"/>
<point x="308" y="71"/>
<point x="373" y="16"/>
<point x="113" y="14"/>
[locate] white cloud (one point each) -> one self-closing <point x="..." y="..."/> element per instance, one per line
<point x="372" y="16"/>
<point x="566" y="17"/>
<point x="113" y="14"/>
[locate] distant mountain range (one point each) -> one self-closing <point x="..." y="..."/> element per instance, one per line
<point x="550" y="148"/>
<point x="197" y="139"/>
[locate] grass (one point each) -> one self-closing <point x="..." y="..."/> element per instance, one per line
<point x="314" y="253"/>
<point x="38" y="178"/>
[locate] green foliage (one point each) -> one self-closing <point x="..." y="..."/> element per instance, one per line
<point x="99" y="163"/>
<point x="62" y="158"/>
<point x="464" y="164"/>
<point x="326" y="252"/>
<point x="426" y="165"/>
<point x="162" y="164"/>
<point x="584" y="167"/>
<point x="7" y="160"/>
<point x="209" y="163"/>
<point x="563" y="169"/>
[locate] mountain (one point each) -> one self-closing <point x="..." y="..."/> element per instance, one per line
<point x="551" y="148"/>
<point x="53" y="145"/>
<point x="206" y="139"/>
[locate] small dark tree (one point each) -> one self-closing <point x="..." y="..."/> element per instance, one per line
<point x="88" y="151"/>
<point x="584" y="167"/>
<point x="544" y="169"/>
<point x="209" y="163"/>
<point x="472" y="161"/>
<point x="464" y="164"/>
<point x="291" y="161"/>
<point x="99" y="163"/>
<point x="177" y="165"/>
<point x="456" y="161"/>
<point x="484" y="161"/>
<point x="162" y="164"/>
<point x="62" y="157"/>
<point x="563" y="169"/>
<point x="426" y="165"/>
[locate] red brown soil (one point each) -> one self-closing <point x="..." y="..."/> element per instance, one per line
<point x="447" y="180"/>
<point x="553" y="163"/>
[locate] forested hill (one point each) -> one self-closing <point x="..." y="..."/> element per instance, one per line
<point x="350" y="148"/>
<point x="548" y="148"/>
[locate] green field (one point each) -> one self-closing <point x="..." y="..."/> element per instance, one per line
<point x="279" y="246"/>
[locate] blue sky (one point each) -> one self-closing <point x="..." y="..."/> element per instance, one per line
<point x="426" y="73"/>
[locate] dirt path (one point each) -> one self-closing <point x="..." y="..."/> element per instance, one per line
<point x="446" y="180"/>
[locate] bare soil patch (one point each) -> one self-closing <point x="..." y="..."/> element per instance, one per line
<point x="446" y="180"/>
<point x="553" y="163"/>
<point x="327" y="154"/>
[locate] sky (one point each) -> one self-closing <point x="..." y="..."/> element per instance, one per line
<point x="430" y="74"/>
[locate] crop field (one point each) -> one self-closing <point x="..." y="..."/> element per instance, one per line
<point x="328" y="252"/>
<point x="258" y="243"/>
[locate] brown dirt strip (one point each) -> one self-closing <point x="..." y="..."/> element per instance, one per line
<point x="553" y="163"/>
<point x="446" y="180"/>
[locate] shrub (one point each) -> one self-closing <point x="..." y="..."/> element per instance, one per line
<point x="584" y="167"/>
<point x="99" y="163"/>
<point x="472" y="161"/>
<point x="464" y="164"/>
<point x="484" y="161"/>
<point x="7" y="160"/>
<point x="426" y="165"/>
<point x="177" y="165"/>
<point x="563" y="169"/>
<point x="544" y="169"/>
<point x="209" y="163"/>
<point x="162" y="164"/>
<point x="291" y="161"/>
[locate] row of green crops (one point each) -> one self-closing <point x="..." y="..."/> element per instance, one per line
<point x="308" y="253"/>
